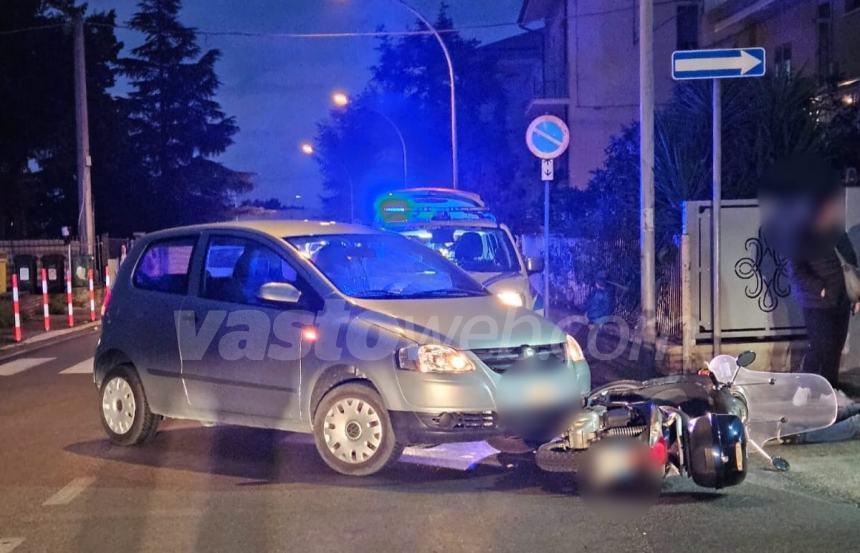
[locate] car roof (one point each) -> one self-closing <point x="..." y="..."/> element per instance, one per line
<point x="283" y="228"/>
<point x="438" y="194"/>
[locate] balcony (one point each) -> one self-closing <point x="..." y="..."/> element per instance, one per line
<point x="548" y="92"/>
<point x="725" y="14"/>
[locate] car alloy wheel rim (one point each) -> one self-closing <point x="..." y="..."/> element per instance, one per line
<point x="118" y="405"/>
<point x="352" y="430"/>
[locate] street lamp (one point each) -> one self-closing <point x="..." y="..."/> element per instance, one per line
<point x="454" y="161"/>
<point x="340" y="99"/>
<point x="308" y="149"/>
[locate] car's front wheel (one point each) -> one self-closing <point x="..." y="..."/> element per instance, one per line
<point x="124" y="410"/>
<point x="353" y="432"/>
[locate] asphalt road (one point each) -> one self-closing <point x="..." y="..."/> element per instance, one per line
<point x="63" y="487"/>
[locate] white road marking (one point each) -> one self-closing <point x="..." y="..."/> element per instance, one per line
<point x="84" y="367"/>
<point x="72" y="490"/>
<point x="8" y="544"/>
<point x="21" y="365"/>
<point x="459" y="456"/>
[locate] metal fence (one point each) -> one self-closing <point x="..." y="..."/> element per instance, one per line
<point x="577" y="263"/>
<point x="36" y="251"/>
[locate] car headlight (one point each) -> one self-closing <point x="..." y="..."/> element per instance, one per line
<point x="572" y="350"/>
<point x="511" y="298"/>
<point x="434" y="358"/>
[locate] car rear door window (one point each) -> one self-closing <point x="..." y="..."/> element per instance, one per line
<point x="236" y="268"/>
<point x="164" y="266"/>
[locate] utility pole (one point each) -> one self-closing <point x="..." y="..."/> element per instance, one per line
<point x="646" y="164"/>
<point x="86" y="224"/>
<point x="717" y="194"/>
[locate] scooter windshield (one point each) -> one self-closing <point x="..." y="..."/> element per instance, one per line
<point x="783" y="404"/>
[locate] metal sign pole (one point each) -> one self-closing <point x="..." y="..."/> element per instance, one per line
<point x="547" y="137"/>
<point x="715" y="217"/>
<point x="546" y="248"/>
<point x="716" y="64"/>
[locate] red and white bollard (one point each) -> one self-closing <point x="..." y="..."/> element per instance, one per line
<point x="106" y="297"/>
<point x="16" y="307"/>
<point x="69" y="304"/>
<point x="92" y="292"/>
<point x="45" y="309"/>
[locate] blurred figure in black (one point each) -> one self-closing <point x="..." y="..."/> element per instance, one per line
<point x="803" y="215"/>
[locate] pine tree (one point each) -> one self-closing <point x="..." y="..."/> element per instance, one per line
<point x="176" y="124"/>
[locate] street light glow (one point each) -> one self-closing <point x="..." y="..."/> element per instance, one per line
<point x="340" y="99"/>
<point x="307" y="148"/>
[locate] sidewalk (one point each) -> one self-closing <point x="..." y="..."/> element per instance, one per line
<point x="35" y="337"/>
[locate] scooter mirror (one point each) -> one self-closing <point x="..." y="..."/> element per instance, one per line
<point x="746" y="358"/>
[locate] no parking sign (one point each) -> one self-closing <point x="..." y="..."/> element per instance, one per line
<point x="547" y="137"/>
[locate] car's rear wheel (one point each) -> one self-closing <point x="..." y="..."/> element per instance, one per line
<point x="124" y="410"/>
<point x="353" y="432"/>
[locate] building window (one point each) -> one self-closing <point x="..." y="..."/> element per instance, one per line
<point x="687" y="27"/>
<point x="782" y="59"/>
<point x="851" y="5"/>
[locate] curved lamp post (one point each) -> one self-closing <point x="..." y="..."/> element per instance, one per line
<point x="454" y="158"/>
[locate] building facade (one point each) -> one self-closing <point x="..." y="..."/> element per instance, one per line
<point x="591" y="68"/>
<point x="820" y="38"/>
<point x="590" y="75"/>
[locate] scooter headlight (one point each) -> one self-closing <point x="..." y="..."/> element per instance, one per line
<point x="572" y="349"/>
<point x="434" y="358"/>
<point x="511" y="298"/>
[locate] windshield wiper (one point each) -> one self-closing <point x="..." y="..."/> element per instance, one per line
<point x="447" y="292"/>
<point x="377" y="294"/>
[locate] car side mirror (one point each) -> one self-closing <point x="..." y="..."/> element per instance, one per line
<point x="534" y="265"/>
<point x="746" y="359"/>
<point x="279" y="292"/>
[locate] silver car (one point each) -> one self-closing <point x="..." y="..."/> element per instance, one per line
<point x="366" y="339"/>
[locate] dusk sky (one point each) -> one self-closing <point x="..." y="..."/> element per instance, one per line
<point x="278" y="88"/>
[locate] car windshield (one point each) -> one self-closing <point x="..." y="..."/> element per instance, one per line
<point x="384" y="266"/>
<point x="473" y="249"/>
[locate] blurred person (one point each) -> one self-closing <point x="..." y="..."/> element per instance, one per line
<point x="803" y="215"/>
<point x="600" y="304"/>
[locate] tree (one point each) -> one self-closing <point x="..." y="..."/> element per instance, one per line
<point x="176" y="125"/>
<point x="763" y="120"/>
<point x="37" y="129"/>
<point x="357" y="149"/>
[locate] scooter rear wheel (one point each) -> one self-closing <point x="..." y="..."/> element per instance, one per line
<point x="555" y="457"/>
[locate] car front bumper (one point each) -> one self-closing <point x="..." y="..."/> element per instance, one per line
<point x="454" y="426"/>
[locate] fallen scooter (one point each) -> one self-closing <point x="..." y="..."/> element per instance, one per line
<point x="644" y="431"/>
<point x="693" y="425"/>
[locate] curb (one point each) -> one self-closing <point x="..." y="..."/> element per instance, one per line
<point x="42" y="341"/>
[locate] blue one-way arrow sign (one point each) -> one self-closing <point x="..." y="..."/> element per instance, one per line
<point x="718" y="64"/>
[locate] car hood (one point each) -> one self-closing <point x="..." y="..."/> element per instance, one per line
<point x="500" y="282"/>
<point x="463" y="323"/>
